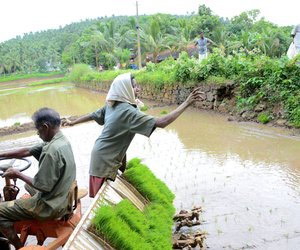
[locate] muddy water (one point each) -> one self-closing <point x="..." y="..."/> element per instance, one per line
<point x="246" y="176"/>
<point x="19" y="103"/>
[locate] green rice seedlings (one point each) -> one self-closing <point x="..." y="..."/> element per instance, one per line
<point x="133" y="162"/>
<point x="160" y="225"/>
<point x="146" y="183"/>
<point x="135" y="219"/>
<point x="116" y="231"/>
<point x="144" y="108"/>
<point x="164" y="112"/>
<point x="125" y="227"/>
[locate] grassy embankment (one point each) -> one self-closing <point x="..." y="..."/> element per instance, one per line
<point x="37" y="75"/>
<point x="49" y="81"/>
<point x="272" y="85"/>
<point x="126" y="227"/>
<point x="14" y="77"/>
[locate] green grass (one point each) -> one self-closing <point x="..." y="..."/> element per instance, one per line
<point x="26" y="76"/>
<point x="109" y="75"/>
<point x="50" y="81"/>
<point x="219" y="80"/>
<point x="83" y="73"/>
<point x="264" y="118"/>
<point x="126" y="227"/>
<point x="157" y="79"/>
<point x="144" y="108"/>
<point x="164" y="112"/>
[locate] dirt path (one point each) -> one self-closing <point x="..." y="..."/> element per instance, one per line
<point x="16" y="129"/>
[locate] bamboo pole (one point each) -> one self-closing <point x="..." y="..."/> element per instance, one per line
<point x="138" y="36"/>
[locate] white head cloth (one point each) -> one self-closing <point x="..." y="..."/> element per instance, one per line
<point x="121" y="90"/>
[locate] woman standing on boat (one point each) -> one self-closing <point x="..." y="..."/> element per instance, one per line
<point x="122" y="120"/>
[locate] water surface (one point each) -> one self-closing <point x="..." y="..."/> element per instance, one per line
<point x="246" y="176"/>
<point x="19" y="103"/>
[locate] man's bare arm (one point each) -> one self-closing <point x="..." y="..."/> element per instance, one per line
<point x="18" y="153"/>
<point x="84" y="118"/>
<point x="13" y="173"/>
<point x="211" y="41"/>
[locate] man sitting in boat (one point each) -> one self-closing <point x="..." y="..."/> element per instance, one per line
<point x="50" y="186"/>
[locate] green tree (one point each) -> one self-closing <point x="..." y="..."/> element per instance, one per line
<point x="203" y="10"/>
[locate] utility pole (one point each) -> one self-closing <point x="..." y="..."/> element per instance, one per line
<point x="138" y="35"/>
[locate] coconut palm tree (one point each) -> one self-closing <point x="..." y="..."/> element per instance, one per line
<point x="153" y="40"/>
<point x="98" y="43"/>
<point x="222" y="38"/>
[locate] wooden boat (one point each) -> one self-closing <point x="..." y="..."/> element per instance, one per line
<point x="83" y="236"/>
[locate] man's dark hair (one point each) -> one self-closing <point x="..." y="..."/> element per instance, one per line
<point x="48" y="116"/>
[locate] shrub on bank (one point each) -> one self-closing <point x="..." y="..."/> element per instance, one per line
<point x="83" y="73"/>
<point x="80" y="71"/>
<point x="157" y="79"/>
<point x="292" y="108"/>
<point x="108" y="75"/>
<point x="264" y="118"/>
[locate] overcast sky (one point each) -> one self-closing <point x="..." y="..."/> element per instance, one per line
<point x="22" y="16"/>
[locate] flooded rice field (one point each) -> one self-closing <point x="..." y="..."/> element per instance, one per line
<point x="19" y="103"/>
<point x="245" y="176"/>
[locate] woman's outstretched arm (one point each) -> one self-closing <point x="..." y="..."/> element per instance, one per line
<point x="81" y="119"/>
<point x="164" y="121"/>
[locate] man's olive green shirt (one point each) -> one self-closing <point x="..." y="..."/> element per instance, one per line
<point x="121" y="122"/>
<point x="57" y="171"/>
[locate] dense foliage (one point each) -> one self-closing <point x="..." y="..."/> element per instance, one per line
<point x="106" y="41"/>
<point x="84" y="73"/>
<point x="248" y="50"/>
<point x="259" y="79"/>
<point x="39" y="51"/>
<point x="125" y="227"/>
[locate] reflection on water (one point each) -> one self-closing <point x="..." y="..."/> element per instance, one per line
<point x="212" y="133"/>
<point x="246" y="176"/>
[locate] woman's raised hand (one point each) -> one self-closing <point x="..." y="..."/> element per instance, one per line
<point x="66" y="122"/>
<point x="195" y="95"/>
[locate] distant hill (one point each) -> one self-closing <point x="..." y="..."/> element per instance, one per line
<point x="110" y="40"/>
<point x="39" y="51"/>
